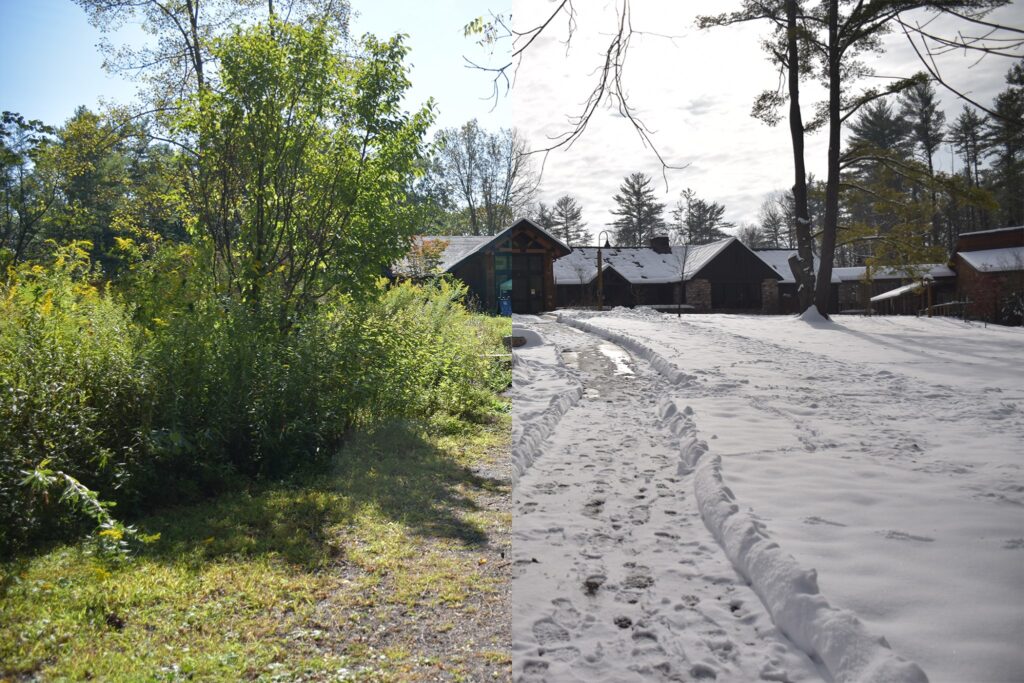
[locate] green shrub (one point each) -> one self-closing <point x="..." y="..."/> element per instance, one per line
<point x="175" y="395"/>
<point x="73" y="391"/>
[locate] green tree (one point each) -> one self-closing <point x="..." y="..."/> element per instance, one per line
<point x="28" y="190"/>
<point x="1005" y="138"/>
<point x="568" y="218"/>
<point x="545" y="218"/>
<point x="308" y="154"/>
<point x="927" y="123"/>
<point x="180" y="59"/>
<point x="639" y="214"/>
<point x="772" y="223"/>
<point x="697" y="221"/>
<point x="967" y="135"/>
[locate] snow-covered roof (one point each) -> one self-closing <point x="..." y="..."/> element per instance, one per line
<point x="778" y="259"/>
<point x="893" y="293"/>
<point x="995" y="260"/>
<point x="638" y="265"/>
<point x="991" y="232"/>
<point x="928" y="270"/>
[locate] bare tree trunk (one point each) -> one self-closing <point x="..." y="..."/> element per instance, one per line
<point x="192" y="6"/>
<point x="828" y="240"/>
<point x="803" y="267"/>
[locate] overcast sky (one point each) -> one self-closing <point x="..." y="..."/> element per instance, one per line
<point x="695" y="90"/>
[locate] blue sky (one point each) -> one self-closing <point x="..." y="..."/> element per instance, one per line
<point x="49" y="62"/>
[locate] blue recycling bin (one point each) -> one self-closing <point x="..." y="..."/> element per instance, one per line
<point x="505" y="305"/>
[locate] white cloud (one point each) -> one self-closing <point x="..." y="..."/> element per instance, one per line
<point x="694" y="89"/>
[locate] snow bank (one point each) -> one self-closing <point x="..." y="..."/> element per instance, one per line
<point x="836" y="637"/>
<point x="551" y="392"/>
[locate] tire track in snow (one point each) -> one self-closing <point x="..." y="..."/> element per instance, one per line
<point x="616" y="577"/>
<point x="836" y="637"/>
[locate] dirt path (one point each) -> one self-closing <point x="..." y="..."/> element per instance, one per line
<point x="616" y="578"/>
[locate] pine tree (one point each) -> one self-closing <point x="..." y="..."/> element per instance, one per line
<point x="1005" y="132"/>
<point x="926" y="123"/>
<point x="568" y="218"/>
<point x="640" y="216"/>
<point x="545" y="218"/>
<point x="920" y="108"/>
<point x="698" y="221"/>
<point x="967" y="135"/>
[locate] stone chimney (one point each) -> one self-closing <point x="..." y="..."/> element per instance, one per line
<point x="660" y="244"/>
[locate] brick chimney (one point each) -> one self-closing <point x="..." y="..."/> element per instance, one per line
<point x="660" y="244"/>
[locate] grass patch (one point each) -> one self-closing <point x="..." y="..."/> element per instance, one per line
<point x="365" y="572"/>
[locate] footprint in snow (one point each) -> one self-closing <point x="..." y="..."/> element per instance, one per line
<point x="639" y="515"/>
<point x="904" y="536"/>
<point x="821" y="520"/>
<point x="565" y="613"/>
<point x="548" y="632"/>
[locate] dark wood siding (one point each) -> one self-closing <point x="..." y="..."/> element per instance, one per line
<point x="736" y="275"/>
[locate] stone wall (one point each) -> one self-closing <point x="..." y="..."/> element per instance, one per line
<point x="769" y="296"/>
<point x="698" y="294"/>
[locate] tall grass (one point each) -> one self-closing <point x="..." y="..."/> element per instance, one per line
<point x="175" y="394"/>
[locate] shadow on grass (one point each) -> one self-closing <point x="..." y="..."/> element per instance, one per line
<point x="394" y="474"/>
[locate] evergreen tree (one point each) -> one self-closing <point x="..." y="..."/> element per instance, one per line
<point x="639" y="215"/>
<point x="967" y="135"/>
<point x="545" y="218"/>
<point x="926" y="124"/>
<point x="878" y="127"/>
<point x="569" y="225"/>
<point x="1005" y="133"/>
<point x="697" y="221"/>
<point x="772" y="226"/>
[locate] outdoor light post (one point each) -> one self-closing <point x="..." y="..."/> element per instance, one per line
<point x="600" y="272"/>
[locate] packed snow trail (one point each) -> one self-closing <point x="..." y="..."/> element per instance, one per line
<point x="883" y="452"/>
<point x="616" y="577"/>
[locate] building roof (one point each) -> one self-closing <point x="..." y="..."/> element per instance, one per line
<point x="461" y="247"/>
<point x="458" y="247"/>
<point x="778" y="259"/>
<point x="928" y="270"/>
<point x="995" y="260"/>
<point x="638" y="265"/>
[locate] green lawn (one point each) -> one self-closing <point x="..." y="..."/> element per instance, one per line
<point x="389" y="566"/>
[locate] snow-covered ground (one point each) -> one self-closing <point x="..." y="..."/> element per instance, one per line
<point x="884" y="453"/>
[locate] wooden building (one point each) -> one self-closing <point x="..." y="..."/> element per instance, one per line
<point x="859" y="291"/>
<point x="990" y="274"/>
<point x="721" y="276"/>
<point x="788" y="300"/>
<point x="517" y="264"/>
